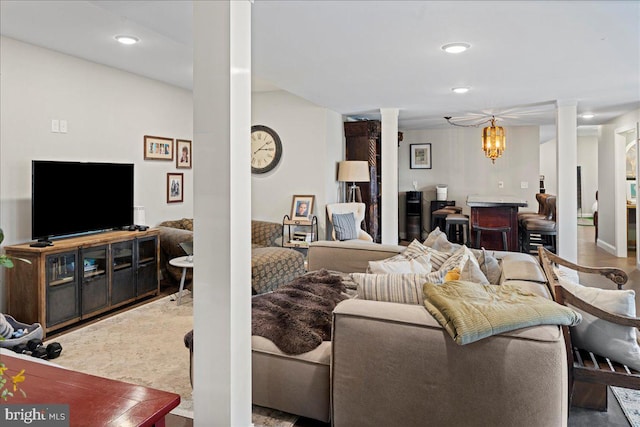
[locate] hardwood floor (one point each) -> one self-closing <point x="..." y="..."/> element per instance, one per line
<point x="588" y="254"/>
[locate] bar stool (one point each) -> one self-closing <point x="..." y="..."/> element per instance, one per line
<point x="438" y="216"/>
<point x="460" y="224"/>
<point x="504" y="230"/>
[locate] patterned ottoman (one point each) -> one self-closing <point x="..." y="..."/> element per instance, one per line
<point x="273" y="266"/>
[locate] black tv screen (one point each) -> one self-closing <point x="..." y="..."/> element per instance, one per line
<point x="77" y="197"/>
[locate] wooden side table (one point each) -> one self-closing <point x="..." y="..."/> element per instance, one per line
<point x="183" y="262"/>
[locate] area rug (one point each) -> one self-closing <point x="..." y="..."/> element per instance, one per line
<point x="630" y="403"/>
<point x="145" y="346"/>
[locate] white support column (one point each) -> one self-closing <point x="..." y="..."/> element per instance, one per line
<point x="567" y="162"/>
<point x="389" y="190"/>
<point x="222" y="213"/>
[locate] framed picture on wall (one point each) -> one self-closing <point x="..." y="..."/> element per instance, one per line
<point x="183" y="154"/>
<point x="175" y="187"/>
<point x="158" y="148"/>
<point x="420" y="156"/>
<point x="301" y="207"/>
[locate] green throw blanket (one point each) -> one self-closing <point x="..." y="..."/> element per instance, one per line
<point x="470" y="311"/>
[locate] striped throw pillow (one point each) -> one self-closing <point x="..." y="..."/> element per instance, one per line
<point x="416" y="249"/>
<point x="344" y="226"/>
<point x="402" y="288"/>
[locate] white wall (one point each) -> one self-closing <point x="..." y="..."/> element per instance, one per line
<point x="108" y="113"/>
<point x="459" y="162"/>
<point x="606" y="181"/>
<point x="312" y="144"/>
<point x="588" y="160"/>
<point x="587" y="157"/>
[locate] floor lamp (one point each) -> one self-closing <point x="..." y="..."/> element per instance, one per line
<point x="353" y="171"/>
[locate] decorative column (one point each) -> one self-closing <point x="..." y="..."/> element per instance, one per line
<point x="567" y="163"/>
<point x="374" y="191"/>
<point x="389" y="188"/>
<point x="222" y="213"/>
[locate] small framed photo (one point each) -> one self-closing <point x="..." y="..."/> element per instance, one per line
<point x="420" y="156"/>
<point x="632" y="192"/>
<point x="158" y="148"/>
<point x="183" y="154"/>
<point x="175" y="187"/>
<point x="301" y="207"/>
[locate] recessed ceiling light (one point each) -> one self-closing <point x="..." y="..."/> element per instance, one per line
<point x="127" y="39"/>
<point x="588" y="116"/>
<point x="455" y="47"/>
<point x="460" y="89"/>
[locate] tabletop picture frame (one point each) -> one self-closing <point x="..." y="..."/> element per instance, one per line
<point x="420" y="156"/>
<point x="183" y="154"/>
<point x="302" y="207"/>
<point x="175" y="187"/>
<point x="158" y="148"/>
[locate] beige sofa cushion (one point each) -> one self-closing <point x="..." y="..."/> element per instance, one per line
<point x="517" y="266"/>
<point x="294" y="384"/>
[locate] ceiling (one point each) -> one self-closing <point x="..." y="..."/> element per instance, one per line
<point x="355" y="57"/>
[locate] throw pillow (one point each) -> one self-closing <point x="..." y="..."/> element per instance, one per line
<point x="457" y="260"/>
<point x="438" y="240"/>
<point x="471" y="272"/>
<point x="344" y="226"/>
<point x="416" y="249"/>
<point x="402" y="288"/>
<point x="419" y="264"/>
<point x="619" y="343"/>
<point x="490" y="267"/>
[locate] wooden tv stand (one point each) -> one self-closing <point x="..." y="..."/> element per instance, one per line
<point x="81" y="277"/>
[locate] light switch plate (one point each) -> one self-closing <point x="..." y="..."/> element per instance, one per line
<point x="63" y="126"/>
<point x="500" y="184"/>
<point x="524" y="184"/>
<point x="55" y="125"/>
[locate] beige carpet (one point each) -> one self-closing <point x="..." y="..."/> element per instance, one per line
<point x="145" y="346"/>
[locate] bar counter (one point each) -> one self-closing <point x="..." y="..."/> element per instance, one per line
<point x="495" y="212"/>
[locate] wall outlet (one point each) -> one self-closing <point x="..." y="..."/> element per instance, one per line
<point x="55" y="125"/>
<point x="500" y="184"/>
<point x="524" y="184"/>
<point x="63" y="126"/>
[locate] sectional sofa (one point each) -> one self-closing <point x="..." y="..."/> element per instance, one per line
<point x="393" y="364"/>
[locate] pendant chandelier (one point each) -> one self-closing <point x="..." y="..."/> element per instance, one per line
<point x="493" y="137"/>
<point x="493" y="141"/>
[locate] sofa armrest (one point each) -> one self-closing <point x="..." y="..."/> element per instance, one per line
<point x="414" y="373"/>
<point x="349" y="256"/>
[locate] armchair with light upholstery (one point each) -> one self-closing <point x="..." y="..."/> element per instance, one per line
<point x="358" y="210"/>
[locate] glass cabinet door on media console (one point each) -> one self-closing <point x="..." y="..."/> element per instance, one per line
<point x="63" y="302"/>
<point x="123" y="286"/>
<point x="147" y="266"/>
<point x="95" y="286"/>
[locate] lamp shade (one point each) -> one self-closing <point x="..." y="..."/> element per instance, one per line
<point x="353" y="171"/>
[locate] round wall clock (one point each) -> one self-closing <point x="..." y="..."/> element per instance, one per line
<point x="266" y="149"/>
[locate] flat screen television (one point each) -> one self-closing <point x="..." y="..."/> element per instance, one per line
<point x="70" y="198"/>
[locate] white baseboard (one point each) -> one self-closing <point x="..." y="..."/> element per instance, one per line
<point x="607" y="247"/>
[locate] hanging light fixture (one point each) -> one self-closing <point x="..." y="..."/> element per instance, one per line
<point x="493" y="137"/>
<point x="493" y="140"/>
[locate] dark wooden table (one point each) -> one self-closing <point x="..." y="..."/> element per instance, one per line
<point x="495" y="212"/>
<point x="93" y="401"/>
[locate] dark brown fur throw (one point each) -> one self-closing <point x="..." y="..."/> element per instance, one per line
<point x="297" y="316"/>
